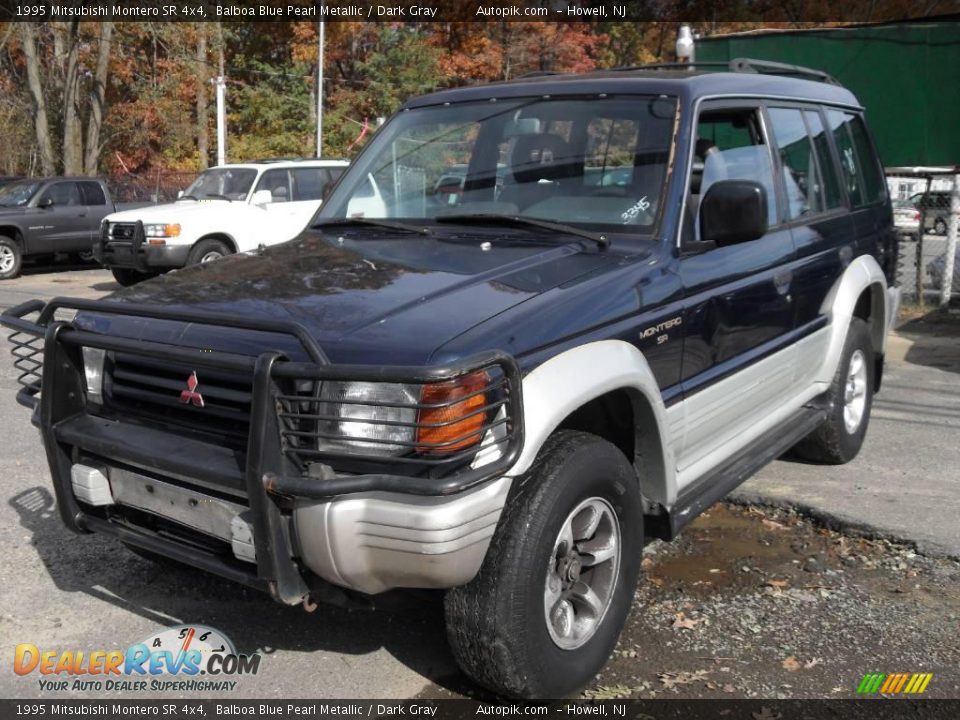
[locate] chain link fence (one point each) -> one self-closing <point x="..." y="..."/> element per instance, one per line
<point x="922" y="202"/>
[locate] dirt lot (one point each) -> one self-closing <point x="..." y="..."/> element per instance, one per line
<point x="752" y="603"/>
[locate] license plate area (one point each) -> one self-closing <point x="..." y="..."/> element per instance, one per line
<point x="200" y="512"/>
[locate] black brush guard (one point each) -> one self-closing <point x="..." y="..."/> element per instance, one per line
<point x="271" y="473"/>
<point x="105" y="249"/>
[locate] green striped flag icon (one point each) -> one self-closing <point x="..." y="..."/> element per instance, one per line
<point x="871" y="683"/>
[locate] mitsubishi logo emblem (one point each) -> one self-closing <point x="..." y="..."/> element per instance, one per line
<point x="190" y="395"/>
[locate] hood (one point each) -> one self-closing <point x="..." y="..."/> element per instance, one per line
<point x="168" y="212"/>
<point x="374" y="298"/>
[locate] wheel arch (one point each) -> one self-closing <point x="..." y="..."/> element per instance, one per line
<point x="591" y="388"/>
<point x="221" y="236"/>
<point x="860" y="292"/>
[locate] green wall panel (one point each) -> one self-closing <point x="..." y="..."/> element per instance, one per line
<point x="906" y="75"/>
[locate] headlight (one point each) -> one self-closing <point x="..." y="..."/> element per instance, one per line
<point x="360" y="411"/>
<point x="160" y="230"/>
<point x="93" y="373"/>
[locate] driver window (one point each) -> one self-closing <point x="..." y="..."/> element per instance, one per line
<point x="278" y="183"/>
<point x="730" y="146"/>
<point x="64" y="193"/>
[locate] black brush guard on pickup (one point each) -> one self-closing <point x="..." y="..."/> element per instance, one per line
<point x="273" y="470"/>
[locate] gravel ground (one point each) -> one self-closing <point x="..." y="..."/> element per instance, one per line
<point x="765" y="603"/>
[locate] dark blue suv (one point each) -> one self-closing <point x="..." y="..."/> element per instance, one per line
<point x="645" y="285"/>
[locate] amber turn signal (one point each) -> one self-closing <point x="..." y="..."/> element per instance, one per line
<point x="458" y="423"/>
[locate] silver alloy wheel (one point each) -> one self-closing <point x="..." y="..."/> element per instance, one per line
<point x="7" y="259"/>
<point x="855" y="392"/>
<point x="582" y="573"/>
<point x="211" y="256"/>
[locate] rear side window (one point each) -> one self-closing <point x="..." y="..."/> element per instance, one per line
<point x="859" y="165"/>
<point x="308" y="183"/>
<point x="833" y="197"/>
<point x="92" y="193"/>
<point x="801" y="179"/>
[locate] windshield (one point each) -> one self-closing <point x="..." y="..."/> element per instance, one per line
<point x="18" y="193"/>
<point x="222" y="183"/>
<point x="593" y="161"/>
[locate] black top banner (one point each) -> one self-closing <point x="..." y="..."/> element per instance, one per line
<point x="457" y="10"/>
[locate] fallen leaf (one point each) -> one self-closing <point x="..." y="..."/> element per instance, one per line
<point x="778" y="583"/>
<point x="682" y="622"/>
<point x="791" y="664"/>
<point x="671" y="679"/>
<point x="728" y="688"/>
<point x="646" y="563"/>
<point x="773" y="525"/>
<point x="812" y="663"/>
<point x="609" y="692"/>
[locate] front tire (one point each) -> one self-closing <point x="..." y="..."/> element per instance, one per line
<point x="11" y="258"/>
<point x="839" y="438"/>
<point x="940" y="226"/>
<point x="127" y="277"/>
<point x="207" y="251"/>
<point x="545" y="611"/>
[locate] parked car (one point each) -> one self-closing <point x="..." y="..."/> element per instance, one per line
<point x="506" y="396"/>
<point x="41" y="217"/>
<point x="935" y="206"/>
<point x="906" y="218"/>
<point x="226" y="210"/>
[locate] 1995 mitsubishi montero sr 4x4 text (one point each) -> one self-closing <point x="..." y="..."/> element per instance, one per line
<point x="647" y="284"/>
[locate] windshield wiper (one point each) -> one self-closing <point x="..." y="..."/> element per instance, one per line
<point x="482" y="218"/>
<point x="189" y="197"/>
<point x="372" y="222"/>
<point x="218" y="195"/>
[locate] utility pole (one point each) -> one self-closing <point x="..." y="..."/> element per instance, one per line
<point x="221" y="120"/>
<point x="320" y="84"/>
<point x="950" y="257"/>
<point x="221" y="83"/>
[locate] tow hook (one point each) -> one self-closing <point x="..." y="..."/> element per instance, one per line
<point x="308" y="604"/>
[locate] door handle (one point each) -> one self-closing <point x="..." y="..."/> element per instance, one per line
<point x="782" y="280"/>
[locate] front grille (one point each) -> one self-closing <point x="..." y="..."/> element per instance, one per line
<point x="122" y="231"/>
<point x="139" y="386"/>
<point x="27" y="351"/>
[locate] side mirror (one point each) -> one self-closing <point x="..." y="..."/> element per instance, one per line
<point x="262" y="197"/>
<point x="733" y="211"/>
<point x="45" y="203"/>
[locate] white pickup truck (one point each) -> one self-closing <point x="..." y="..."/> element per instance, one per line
<point x="227" y="209"/>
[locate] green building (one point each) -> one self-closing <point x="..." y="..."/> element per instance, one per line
<point x="906" y="74"/>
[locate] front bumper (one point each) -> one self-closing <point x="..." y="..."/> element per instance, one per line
<point x="370" y="531"/>
<point x="136" y="253"/>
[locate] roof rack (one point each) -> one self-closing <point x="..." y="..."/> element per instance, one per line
<point x="747" y="65"/>
<point x="742" y="65"/>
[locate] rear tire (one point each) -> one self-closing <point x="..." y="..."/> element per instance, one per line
<point x="839" y="438"/>
<point x="11" y="258"/>
<point x="207" y="251"/>
<point x="128" y="276"/>
<point x="544" y="613"/>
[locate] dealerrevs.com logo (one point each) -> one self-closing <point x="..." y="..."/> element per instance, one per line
<point x="180" y="658"/>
